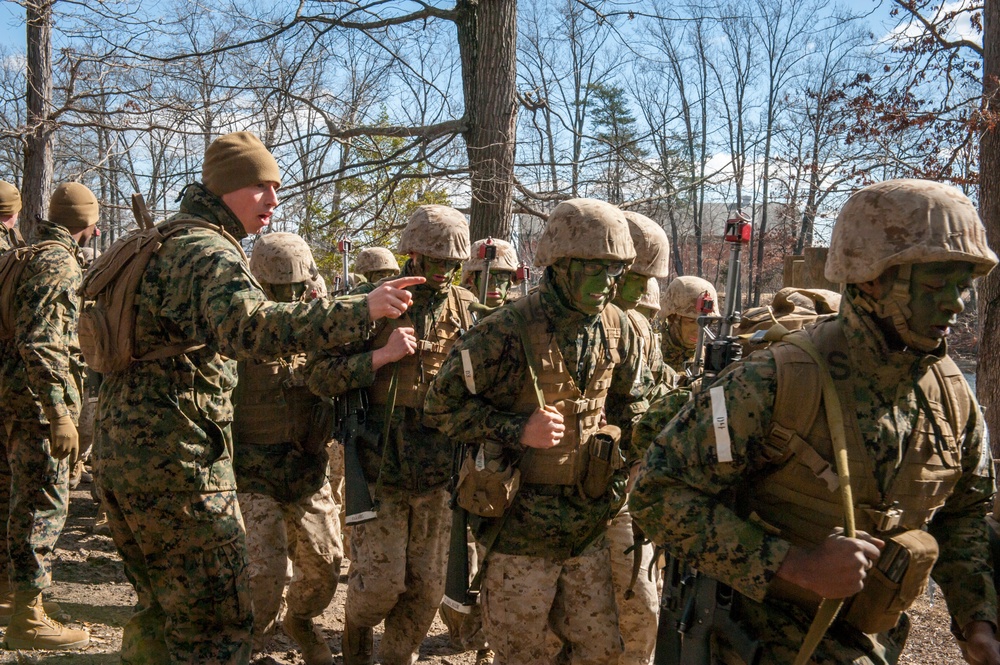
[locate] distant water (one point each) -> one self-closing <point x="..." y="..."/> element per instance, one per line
<point x="971" y="378"/>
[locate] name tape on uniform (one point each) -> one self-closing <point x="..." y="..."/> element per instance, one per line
<point x="470" y="379"/>
<point x="720" y="422"/>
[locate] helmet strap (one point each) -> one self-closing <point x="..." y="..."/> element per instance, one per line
<point x="894" y="306"/>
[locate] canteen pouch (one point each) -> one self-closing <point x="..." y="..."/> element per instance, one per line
<point x="897" y="579"/>
<point x="487" y="483"/>
<point x="603" y="459"/>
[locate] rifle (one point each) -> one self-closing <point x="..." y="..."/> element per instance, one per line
<point x="457" y="593"/>
<point x="351" y="409"/>
<point x="694" y="607"/>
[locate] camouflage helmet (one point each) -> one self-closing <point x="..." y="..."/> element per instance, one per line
<point x="506" y="259"/>
<point x="651" y="299"/>
<point x="585" y="229"/>
<point x="372" y="259"/>
<point x="437" y="231"/>
<point x="903" y="222"/>
<point x="652" y="248"/>
<point x="282" y="258"/>
<point x="681" y="297"/>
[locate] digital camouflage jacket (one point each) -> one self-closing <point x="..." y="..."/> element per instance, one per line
<point x="165" y="424"/>
<point x="547" y="524"/>
<point x="42" y="371"/>
<point x="689" y="501"/>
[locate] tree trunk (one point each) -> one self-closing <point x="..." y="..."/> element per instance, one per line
<point x="38" y="162"/>
<point x="487" y="42"/>
<point x="988" y="368"/>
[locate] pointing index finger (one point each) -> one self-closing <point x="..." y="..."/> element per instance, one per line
<point x="404" y="282"/>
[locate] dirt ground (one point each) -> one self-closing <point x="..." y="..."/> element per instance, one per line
<point x="91" y="587"/>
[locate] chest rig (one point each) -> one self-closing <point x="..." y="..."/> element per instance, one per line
<point x="801" y="496"/>
<point x="565" y="463"/>
<point x="272" y="403"/>
<point x="418" y="370"/>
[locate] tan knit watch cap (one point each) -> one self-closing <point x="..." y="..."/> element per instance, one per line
<point x="10" y="199"/>
<point x="74" y="206"/>
<point x="238" y="160"/>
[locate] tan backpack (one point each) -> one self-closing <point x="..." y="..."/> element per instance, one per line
<point x="12" y="265"/>
<point x="108" y="312"/>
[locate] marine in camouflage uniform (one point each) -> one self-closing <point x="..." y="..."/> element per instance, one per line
<point x="376" y="264"/>
<point x="42" y="381"/>
<point x="547" y="586"/>
<point x="638" y="612"/>
<point x="679" y="311"/>
<point x="10" y="206"/>
<point x="164" y="451"/>
<point x="398" y="560"/>
<point x="278" y="439"/>
<point x="503" y="276"/>
<point x="765" y="522"/>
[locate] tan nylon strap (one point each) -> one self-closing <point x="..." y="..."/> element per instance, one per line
<point x="828" y="609"/>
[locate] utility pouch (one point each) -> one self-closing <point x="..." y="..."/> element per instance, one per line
<point x="487" y="481"/>
<point x="603" y="459"/>
<point x="321" y="424"/>
<point x="899" y="577"/>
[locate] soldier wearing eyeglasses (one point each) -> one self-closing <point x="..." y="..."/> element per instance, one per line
<point x="547" y="585"/>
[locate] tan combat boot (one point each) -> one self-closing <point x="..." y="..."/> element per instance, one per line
<point x="7" y="604"/>
<point x="31" y="628"/>
<point x="315" y="650"/>
<point x="357" y="644"/>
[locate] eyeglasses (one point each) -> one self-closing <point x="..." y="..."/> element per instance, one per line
<point x="445" y="265"/>
<point x="594" y="268"/>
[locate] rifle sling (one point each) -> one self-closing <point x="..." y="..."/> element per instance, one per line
<point x="829" y="608"/>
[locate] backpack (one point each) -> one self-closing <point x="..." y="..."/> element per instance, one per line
<point x="793" y="307"/>
<point x="12" y="265"/>
<point x="108" y="312"/>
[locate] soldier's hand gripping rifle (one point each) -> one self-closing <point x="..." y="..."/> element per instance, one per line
<point x="457" y="594"/>
<point x="694" y="606"/>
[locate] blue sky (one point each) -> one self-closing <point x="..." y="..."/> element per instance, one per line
<point x="12" y="25"/>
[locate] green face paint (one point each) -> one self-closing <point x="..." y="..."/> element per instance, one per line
<point x="631" y="289"/>
<point x="937" y="292"/>
<point x="377" y="275"/>
<point x="438" y="272"/>
<point x="590" y="284"/>
<point x="287" y="292"/>
<point x="500" y="281"/>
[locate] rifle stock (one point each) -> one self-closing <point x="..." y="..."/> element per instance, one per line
<point x="358" y="502"/>
<point x="457" y="594"/>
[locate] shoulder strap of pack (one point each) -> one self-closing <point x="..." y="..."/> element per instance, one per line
<point x="459" y="299"/>
<point x="838" y="432"/>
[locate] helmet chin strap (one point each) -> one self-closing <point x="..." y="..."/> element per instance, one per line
<point x="894" y="306"/>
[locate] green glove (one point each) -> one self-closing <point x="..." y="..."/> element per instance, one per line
<point x="64" y="440"/>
